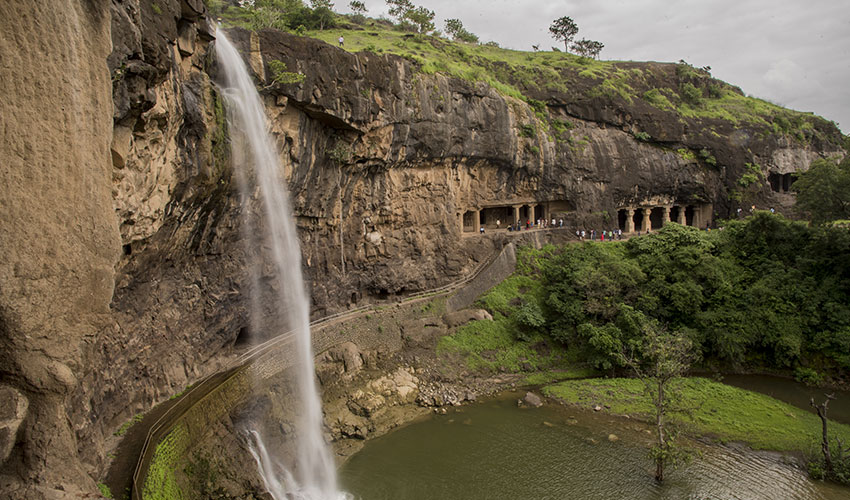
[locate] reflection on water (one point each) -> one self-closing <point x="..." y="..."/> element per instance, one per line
<point x="498" y="451"/>
<point x="794" y="393"/>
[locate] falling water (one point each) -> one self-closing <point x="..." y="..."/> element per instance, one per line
<point x="314" y="475"/>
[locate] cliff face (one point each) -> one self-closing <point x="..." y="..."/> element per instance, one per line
<point x="124" y="277"/>
<point x="58" y="236"/>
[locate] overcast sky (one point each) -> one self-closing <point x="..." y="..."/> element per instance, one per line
<point x="795" y="53"/>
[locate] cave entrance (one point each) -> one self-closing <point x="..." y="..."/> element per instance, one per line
<point x="775" y="181"/>
<point x="502" y="215"/>
<point x="787" y="180"/>
<point x="675" y="213"/>
<point x="622" y="217"/>
<point x="656" y="217"/>
<point x="468" y="221"/>
<point x="539" y="212"/>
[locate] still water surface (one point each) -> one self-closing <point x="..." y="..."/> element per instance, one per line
<point x="495" y="450"/>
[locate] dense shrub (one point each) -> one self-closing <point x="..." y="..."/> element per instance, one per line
<point x="764" y="292"/>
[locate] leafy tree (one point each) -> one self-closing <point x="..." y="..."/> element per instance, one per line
<point x="658" y="359"/>
<point x="399" y="9"/>
<point x="823" y="191"/>
<point x="564" y="29"/>
<point x="323" y="13"/>
<point x="587" y="48"/>
<point x="455" y="28"/>
<point x="280" y="75"/>
<point x="357" y="8"/>
<point x="422" y="18"/>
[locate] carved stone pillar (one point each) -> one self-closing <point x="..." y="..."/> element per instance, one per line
<point x="680" y="217"/>
<point x="630" y="220"/>
<point x="476" y="221"/>
<point x="666" y="216"/>
<point x="644" y="221"/>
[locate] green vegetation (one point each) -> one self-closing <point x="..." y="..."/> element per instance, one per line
<point x="510" y="342"/>
<point x="280" y="75"/>
<point x="126" y="425"/>
<point x="753" y="174"/>
<point x="104" y="490"/>
<point x="689" y="92"/>
<point x="823" y="191"/>
<point x="161" y="483"/>
<point x="564" y="29"/>
<point x="720" y="410"/>
<point x="764" y="293"/>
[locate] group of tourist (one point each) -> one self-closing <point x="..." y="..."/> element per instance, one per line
<point x="530" y="224"/>
<point x="611" y="235"/>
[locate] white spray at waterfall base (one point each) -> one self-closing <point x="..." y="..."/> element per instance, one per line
<point x="314" y="474"/>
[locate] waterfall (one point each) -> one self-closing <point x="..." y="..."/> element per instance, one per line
<point x="314" y="474"/>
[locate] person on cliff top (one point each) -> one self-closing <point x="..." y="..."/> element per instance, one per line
<point x="341" y="40"/>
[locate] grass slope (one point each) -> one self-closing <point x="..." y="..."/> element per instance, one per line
<point x="727" y="412"/>
<point x="522" y="75"/>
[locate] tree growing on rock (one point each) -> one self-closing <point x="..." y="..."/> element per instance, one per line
<point x="340" y="155"/>
<point x="564" y="29"/>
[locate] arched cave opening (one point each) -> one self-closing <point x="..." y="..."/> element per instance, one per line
<point x="637" y="219"/>
<point x="656" y="217"/>
<point x="775" y="181"/>
<point x="674" y="213"/>
<point x="468" y="220"/>
<point x="622" y="217"/>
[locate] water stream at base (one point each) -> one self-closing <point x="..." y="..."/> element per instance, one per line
<point x="494" y="450"/>
<point x="314" y="474"/>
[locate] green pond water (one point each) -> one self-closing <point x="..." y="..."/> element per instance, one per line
<point x="495" y="450"/>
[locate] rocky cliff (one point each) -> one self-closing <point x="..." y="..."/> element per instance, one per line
<point x="124" y="273"/>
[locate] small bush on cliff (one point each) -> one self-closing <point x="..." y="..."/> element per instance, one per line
<point x="527" y="130"/>
<point x="280" y="75"/>
<point x="690" y="93"/>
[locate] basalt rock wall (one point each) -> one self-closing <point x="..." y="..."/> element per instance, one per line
<point x="125" y="269"/>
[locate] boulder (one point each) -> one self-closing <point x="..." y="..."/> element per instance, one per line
<point x="532" y="400"/>
<point x="458" y="318"/>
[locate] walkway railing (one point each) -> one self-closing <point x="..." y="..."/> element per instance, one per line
<point x="207" y="385"/>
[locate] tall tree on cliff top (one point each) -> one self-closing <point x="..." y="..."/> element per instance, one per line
<point x="323" y="12"/>
<point x="357" y="8"/>
<point x="588" y="48"/>
<point x="422" y="18"/>
<point x="455" y="28"/>
<point x="564" y="29"/>
<point x="399" y="9"/>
